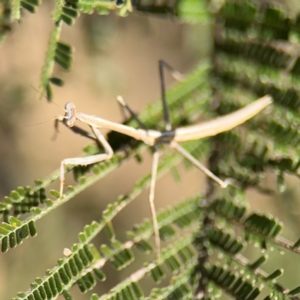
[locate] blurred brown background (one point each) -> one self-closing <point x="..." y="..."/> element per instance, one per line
<point x="114" y="56"/>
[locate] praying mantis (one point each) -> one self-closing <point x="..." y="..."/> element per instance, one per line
<point x="171" y="137"/>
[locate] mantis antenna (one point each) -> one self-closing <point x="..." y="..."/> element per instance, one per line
<point x="153" y="137"/>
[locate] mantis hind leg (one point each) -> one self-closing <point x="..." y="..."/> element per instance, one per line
<point x="197" y="164"/>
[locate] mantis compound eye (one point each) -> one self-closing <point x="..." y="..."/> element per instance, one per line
<point x="70" y="114"/>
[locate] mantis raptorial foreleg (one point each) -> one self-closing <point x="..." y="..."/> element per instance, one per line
<point x="83" y="161"/>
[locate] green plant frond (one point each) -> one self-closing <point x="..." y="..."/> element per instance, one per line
<point x="49" y="60"/>
<point x="84" y="259"/>
<point x="182" y="248"/>
<point x="294" y="291"/>
<point x="179" y="288"/>
<point x="260" y="79"/>
<point x="280" y="124"/>
<point x="189" y="11"/>
<point x="239" y="15"/>
<point x="252" y="154"/>
<point x="22" y="200"/>
<point x="249" y="169"/>
<point x="245" y="170"/>
<point x="228" y="209"/>
<point x="86" y="283"/>
<point x="270" y="21"/>
<point x="267" y="53"/>
<point x="167" y="232"/>
<point x="258" y="229"/>
<point x="122" y="8"/>
<point x="232" y="283"/>
<point x="13" y="232"/>
<point x="67" y="12"/>
<point x="5" y="19"/>
<point x="67" y="295"/>
<point x="165" y="8"/>
<point x="124" y="258"/>
<point x="193" y="11"/>
<point x="263" y="225"/>
<point x="39" y="212"/>
<point x="256" y="264"/>
<point x="186" y="212"/>
<point x="16" y="5"/>
<point x="276" y="21"/>
<point x="241" y="176"/>
<point x="263" y="61"/>
<point x="276" y="290"/>
<point x="266" y="67"/>
<point x="225" y="241"/>
<point x="239" y="265"/>
<point x="30" y="5"/>
<point x="63" y="275"/>
<point x="15" y="10"/>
